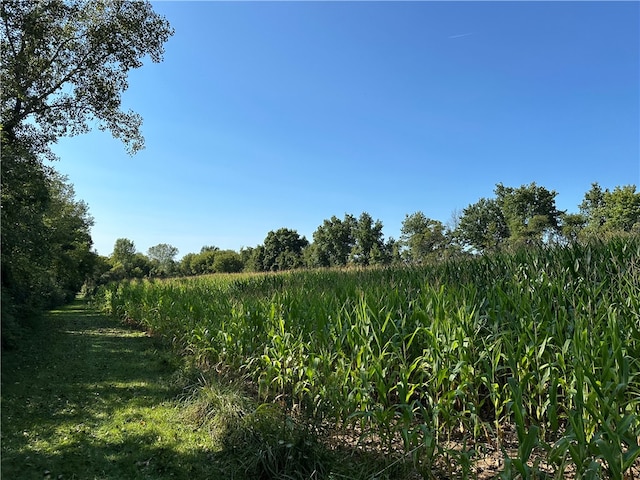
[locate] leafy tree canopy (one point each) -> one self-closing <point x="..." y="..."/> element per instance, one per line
<point x="572" y="224"/>
<point x="163" y="257"/>
<point x="65" y="65"/>
<point x="124" y="254"/>
<point x="610" y="211"/>
<point x="204" y="261"/>
<point x="529" y="211"/>
<point x="228" y="261"/>
<point x="369" y="247"/>
<point x="515" y="216"/>
<point x="46" y="244"/>
<point x="333" y="241"/>
<point x="357" y="241"/>
<point x="482" y="225"/>
<point x="423" y="237"/>
<point x="282" y="250"/>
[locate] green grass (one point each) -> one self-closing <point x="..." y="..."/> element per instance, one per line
<point x="541" y="345"/>
<point x="534" y="356"/>
<point x="86" y="398"/>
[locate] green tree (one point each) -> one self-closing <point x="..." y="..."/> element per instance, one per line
<point x="123" y="257"/>
<point x="100" y="274"/>
<point x="68" y="225"/>
<point x="529" y="212"/>
<point x="253" y="258"/>
<point x="611" y="211"/>
<point x="228" y="261"/>
<point x="393" y="251"/>
<point x="333" y="241"/>
<point x="185" y="264"/>
<point x="25" y="198"/>
<point x="283" y="250"/>
<point x="350" y="241"/>
<point x="203" y="262"/>
<point x="46" y="245"/>
<point x="369" y="246"/>
<point x="162" y="258"/>
<point x="423" y="237"/>
<point x="64" y="67"/>
<point x="212" y="260"/>
<point x="622" y="209"/>
<point x="517" y="216"/>
<point x="141" y="266"/>
<point x="592" y="208"/>
<point x="482" y="226"/>
<point x="65" y="64"/>
<point x="571" y="226"/>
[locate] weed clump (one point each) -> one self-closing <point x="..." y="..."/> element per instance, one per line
<point x="256" y="441"/>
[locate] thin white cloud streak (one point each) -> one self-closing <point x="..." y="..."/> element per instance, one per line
<point x="461" y="35"/>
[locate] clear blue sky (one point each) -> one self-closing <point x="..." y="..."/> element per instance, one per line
<point x="282" y="114"/>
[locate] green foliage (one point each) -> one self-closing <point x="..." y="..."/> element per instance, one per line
<point x="212" y="260"/>
<point x="203" y="262"/>
<point x="64" y="67"/>
<point x="525" y="215"/>
<point x="228" y="261"/>
<point x="140" y="267"/>
<point x="67" y="222"/>
<point x="282" y="250"/>
<point x="333" y="241"/>
<point x="611" y="211"/>
<point x="124" y="254"/>
<point x="529" y="212"/>
<point x="162" y="258"/>
<point x="351" y="241"/>
<point x="572" y="225"/>
<point x="423" y="237"/>
<point x="516" y="217"/>
<point x="252" y="258"/>
<point x="592" y="206"/>
<point x="46" y="244"/>
<point x="99" y="275"/>
<point x="25" y="198"/>
<point x="429" y="355"/>
<point x="65" y="64"/>
<point x="125" y="262"/>
<point x="269" y="444"/>
<point x="369" y="247"/>
<point x="483" y="226"/>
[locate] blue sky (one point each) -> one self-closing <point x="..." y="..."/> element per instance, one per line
<point x="281" y="114"/>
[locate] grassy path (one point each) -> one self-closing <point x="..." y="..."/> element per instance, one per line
<point x="86" y="398"/>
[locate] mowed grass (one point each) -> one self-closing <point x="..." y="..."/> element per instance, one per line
<point x="86" y="398"/>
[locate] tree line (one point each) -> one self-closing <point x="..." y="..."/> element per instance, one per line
<point x="64" y="67"/>
<point x="513" y="218"/>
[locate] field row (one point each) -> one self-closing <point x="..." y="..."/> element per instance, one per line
<point x="545" y="342"/>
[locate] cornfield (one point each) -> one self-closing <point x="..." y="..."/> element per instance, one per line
<point x="534" y="353"/>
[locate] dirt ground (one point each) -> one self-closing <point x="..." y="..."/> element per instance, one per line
<point x="483" y="461"/>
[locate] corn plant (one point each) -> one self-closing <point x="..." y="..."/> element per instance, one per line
<point x="546" y="340"/>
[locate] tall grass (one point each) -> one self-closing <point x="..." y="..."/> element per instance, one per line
<point x="545" y="340"/>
